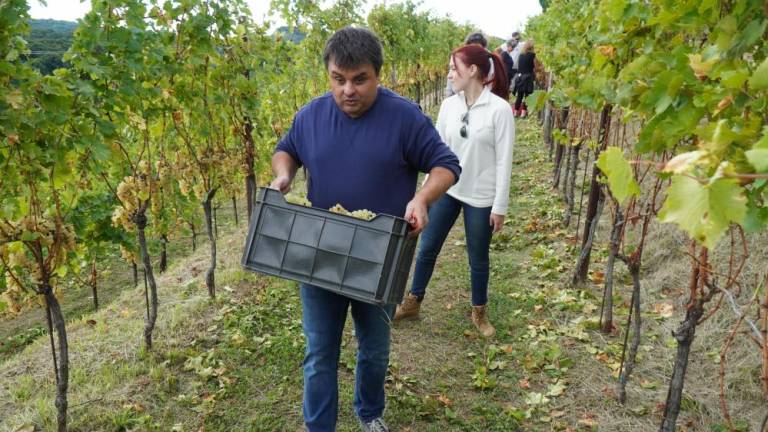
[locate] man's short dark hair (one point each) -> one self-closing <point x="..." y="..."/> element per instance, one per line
<point x="351" y="47"/>
<point x="476" y="38"/>
<point x="516" y="36"/>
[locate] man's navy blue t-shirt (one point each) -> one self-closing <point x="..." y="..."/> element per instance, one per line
<point x="370" y="162"/>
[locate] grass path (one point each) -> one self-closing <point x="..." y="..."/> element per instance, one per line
<point x="235" y="364"/>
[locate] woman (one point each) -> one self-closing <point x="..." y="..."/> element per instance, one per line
<point x="478" y="126"/>
<point x="524" y="83"/>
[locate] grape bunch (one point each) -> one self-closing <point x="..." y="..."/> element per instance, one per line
<point x="359" y="214"/>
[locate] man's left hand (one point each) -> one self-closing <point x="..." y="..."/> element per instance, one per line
<point x="417" y="215"/>
<point x="497" y="222"/>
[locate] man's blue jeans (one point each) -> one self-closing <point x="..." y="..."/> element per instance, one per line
<point x="323" y="318"/>
<point x="478" y="232"/>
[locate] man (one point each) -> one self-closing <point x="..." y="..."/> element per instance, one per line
<point x="475" y="38"/>
<point x="363" y="147"/>
<point x="506" y="57"/>
<point x="515" y="54"/>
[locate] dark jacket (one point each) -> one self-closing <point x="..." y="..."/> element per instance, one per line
<point x="508" y="63"/>
<point x="524" y="83"/>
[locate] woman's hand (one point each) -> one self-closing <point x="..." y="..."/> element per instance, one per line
<point x="497" y="222"/>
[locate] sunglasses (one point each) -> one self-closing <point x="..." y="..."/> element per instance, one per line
<point x="464" y="131"/>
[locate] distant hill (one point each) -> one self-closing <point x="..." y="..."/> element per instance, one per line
<point x="48" y="40"/>
<point x="295" y="37"/>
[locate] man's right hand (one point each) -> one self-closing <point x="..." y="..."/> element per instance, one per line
<point x="281" y="183"/>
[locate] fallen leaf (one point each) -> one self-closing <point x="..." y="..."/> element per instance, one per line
<point x="444" y="400"/>
<point x="536" y="399"/>
<point x="597" y="277"/>
<point x="664" y="310"/>
<point x="524" y="383"/>
<point x="555" y="390"/>
<point x="91" y="322"/>
<point x="589" y="419"/>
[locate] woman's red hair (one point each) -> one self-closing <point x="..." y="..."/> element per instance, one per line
<point x="482" y="58"/>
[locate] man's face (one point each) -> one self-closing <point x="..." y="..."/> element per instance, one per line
<point x="353" y="89"/>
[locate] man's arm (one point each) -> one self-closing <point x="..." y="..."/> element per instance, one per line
<point x="439" y="181"/>
<point x="284" y="166"/>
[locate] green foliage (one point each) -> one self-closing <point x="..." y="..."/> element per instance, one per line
<point x="694" y="74"/>
<point x="704" y="211"/>
<point x="621" y="180"/>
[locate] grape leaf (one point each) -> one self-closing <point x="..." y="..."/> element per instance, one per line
<point x="759" y="80"/>
<point x="758" y="158"/>
<point x="704" y="211"/>
<point x="621" y="179"/>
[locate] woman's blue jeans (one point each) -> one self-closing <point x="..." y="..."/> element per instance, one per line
<point x="323" y="318"/>
<point x="478" y="232"/>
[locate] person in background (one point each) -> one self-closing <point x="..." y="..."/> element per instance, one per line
<point x="500" y="49"/>
<point x="506" y="57"/>
<point x="517" y="48"/>
<point x="478" y="126"/>
<point x="475" y="38"/>
<point x="524" y="83"/>
<point x="363" y="147"/>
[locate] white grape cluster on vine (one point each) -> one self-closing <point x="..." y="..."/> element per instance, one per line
<point x="54" y="240"/>
<point x="134" y="191"/>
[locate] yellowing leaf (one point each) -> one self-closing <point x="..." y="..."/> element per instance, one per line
<point x="700" y="68"/>
<point x="704" y="211"/>
<point x="621" y="178"/>
<point x="14" y="99"/>
<point x="682" y="162"/>
<point x="607" y="50"/>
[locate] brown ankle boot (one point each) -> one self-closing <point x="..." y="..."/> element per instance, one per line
<point x="408" y="309"/>
<point x="480" y="320"/>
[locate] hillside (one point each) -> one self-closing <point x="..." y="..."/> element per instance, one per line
<point x="48" y="40"/>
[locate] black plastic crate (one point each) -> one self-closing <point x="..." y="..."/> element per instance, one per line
<point x="363" y="260"/>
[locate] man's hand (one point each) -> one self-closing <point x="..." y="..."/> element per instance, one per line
<point x="416" y="215"/>
<point x="284" y="167"/>
<point x="497" y="222"/>
<point x="281" y="183"/>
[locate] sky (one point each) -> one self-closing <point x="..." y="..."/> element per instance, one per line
<point x="495" y="17"/>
